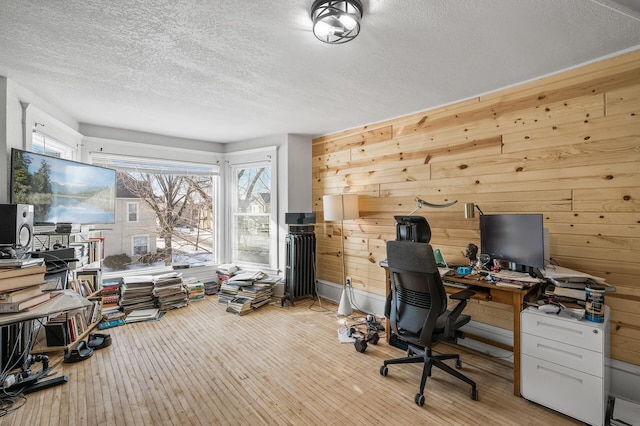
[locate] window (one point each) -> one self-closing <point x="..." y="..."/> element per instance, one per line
<point x="44" y="144"/>
<point x="132" y="212"/>
<point x="140" y="245"/>
<point x="166" y="209"/>
<point x="252" y="233"/>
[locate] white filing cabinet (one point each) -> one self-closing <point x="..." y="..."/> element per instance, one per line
<point x="564" y="364"/>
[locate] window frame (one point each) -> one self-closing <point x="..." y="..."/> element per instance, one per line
<point x="250" y="159"/>
<point x="133" y="246"/>
<point x="137" y="212"/>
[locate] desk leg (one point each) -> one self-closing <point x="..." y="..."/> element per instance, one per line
<point x="518" y="302"/>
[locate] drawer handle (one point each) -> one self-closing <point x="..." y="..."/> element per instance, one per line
<point x="551" y="348"/>
<point x="557" y="327"/>
<point x="559" y="373"/>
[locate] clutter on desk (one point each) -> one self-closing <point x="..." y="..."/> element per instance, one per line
<point x="504" y="278"/>
<point x="582" y="292"/>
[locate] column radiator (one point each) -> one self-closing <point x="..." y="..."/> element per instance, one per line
<point x="300" y="273"/>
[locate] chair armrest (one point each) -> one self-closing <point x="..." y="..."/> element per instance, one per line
<point x="462" y="295"/>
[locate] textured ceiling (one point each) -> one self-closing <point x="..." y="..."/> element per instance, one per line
<point x="230" y="70"/>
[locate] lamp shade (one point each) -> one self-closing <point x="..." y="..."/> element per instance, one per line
<point x="336" y="22"/>
<point x="340" y="207"/>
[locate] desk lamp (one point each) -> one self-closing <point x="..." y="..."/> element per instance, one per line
<point x="341" y="207"/>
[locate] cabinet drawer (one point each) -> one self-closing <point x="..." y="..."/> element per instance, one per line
<point x="569" y="331"/>
<point x="580" y="359"/>
<point x="568" y="391"/>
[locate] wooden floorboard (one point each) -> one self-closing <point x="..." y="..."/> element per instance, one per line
<point x="200" y="365"/>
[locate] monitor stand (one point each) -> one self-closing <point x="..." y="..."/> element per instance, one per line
<point x="531" y="270"/>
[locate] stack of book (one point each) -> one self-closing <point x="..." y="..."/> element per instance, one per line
<point x="137" y="293"/>
<point x="567" y="287"/>
<point x="140" y="315"/>
<point x="195" y="289"/>
<point x="21" y="286"/>
<point x="225" y="272"/>
<point x="211" y="288"/>
<point x="110" y="296"/>
<point x="239" y="305"/>
<point x="258" y="293"/>
<point x="228" y="291"/>
<point x="169" y="291"/>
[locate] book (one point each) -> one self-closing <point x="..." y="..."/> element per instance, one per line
<point x="18" y="295"/>
<point x="12" y="279"/>
<point x="570" y="292"/>
<point x="25" y="304"/>
<point x="21" y="263"/>
<point x="142" y="315"/>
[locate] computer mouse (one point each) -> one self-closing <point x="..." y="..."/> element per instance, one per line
<point x="549" y="309"/>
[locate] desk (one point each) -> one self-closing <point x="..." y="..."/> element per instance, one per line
<point x="490" y="293"/>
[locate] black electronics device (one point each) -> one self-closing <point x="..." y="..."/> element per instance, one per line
<point x="514" y="238"/>
<point x="58" y="254"/>
<point x="72" y="192"/>
<point x="16" y="225"/>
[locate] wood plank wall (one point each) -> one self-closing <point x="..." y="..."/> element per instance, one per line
<point x="567" y="146"/>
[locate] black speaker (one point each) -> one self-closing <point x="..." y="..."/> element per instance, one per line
<point x="16" y="225"/>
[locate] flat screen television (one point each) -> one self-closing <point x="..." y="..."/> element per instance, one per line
<point x="63" y="191"/>
<point x="514" y="238"/>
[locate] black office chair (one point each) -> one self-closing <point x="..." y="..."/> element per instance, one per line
<point x="418" y="311"/>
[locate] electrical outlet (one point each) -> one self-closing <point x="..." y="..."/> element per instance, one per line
<point x="348" y="281"/>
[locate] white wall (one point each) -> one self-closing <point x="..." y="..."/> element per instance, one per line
<point x="20" y="109"/>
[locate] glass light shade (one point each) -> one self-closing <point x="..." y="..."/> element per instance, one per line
<point x="340" y="207"/>
<point x="336" y="22"/>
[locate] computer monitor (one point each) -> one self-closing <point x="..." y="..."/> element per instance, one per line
<point x="514" y="238"/>
<point x="412" y="228"/>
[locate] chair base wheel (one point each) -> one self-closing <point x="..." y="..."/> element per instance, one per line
<point x="384" y="370"/>
<point x="458" y="364"/>
<point x="360" y="345"/>
<point x="419" y="399"/>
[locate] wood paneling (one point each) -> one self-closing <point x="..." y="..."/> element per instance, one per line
<point x="567" y="146"/>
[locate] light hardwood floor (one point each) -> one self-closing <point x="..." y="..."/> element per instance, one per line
<point x="200" y="365"/>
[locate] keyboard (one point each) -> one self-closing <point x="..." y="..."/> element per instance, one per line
<point x="455" y="284"/>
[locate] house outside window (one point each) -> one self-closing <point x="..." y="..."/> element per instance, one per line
<point x="253" y="214"/>
<point x="132" y="212"/>
<point x="175" y="207"/>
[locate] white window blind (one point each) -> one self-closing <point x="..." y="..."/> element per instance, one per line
<point x="153" y="165"/>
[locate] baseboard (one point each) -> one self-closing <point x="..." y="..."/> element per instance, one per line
<point x="625" y="377"/>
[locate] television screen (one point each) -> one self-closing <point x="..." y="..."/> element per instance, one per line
<point x="63" y="191"/>
<point x="514" y="238"/>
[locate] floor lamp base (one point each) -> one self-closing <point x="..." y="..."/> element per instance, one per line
<point x="344" y="308"/>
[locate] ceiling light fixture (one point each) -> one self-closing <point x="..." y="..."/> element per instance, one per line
<point x="336" y="22"/>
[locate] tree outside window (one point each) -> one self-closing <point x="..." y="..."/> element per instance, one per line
<point x="252" y="213"/>
<point x="172" y="204"/>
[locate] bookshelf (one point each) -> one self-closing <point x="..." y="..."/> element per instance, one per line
<point x="40" y="346"/>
